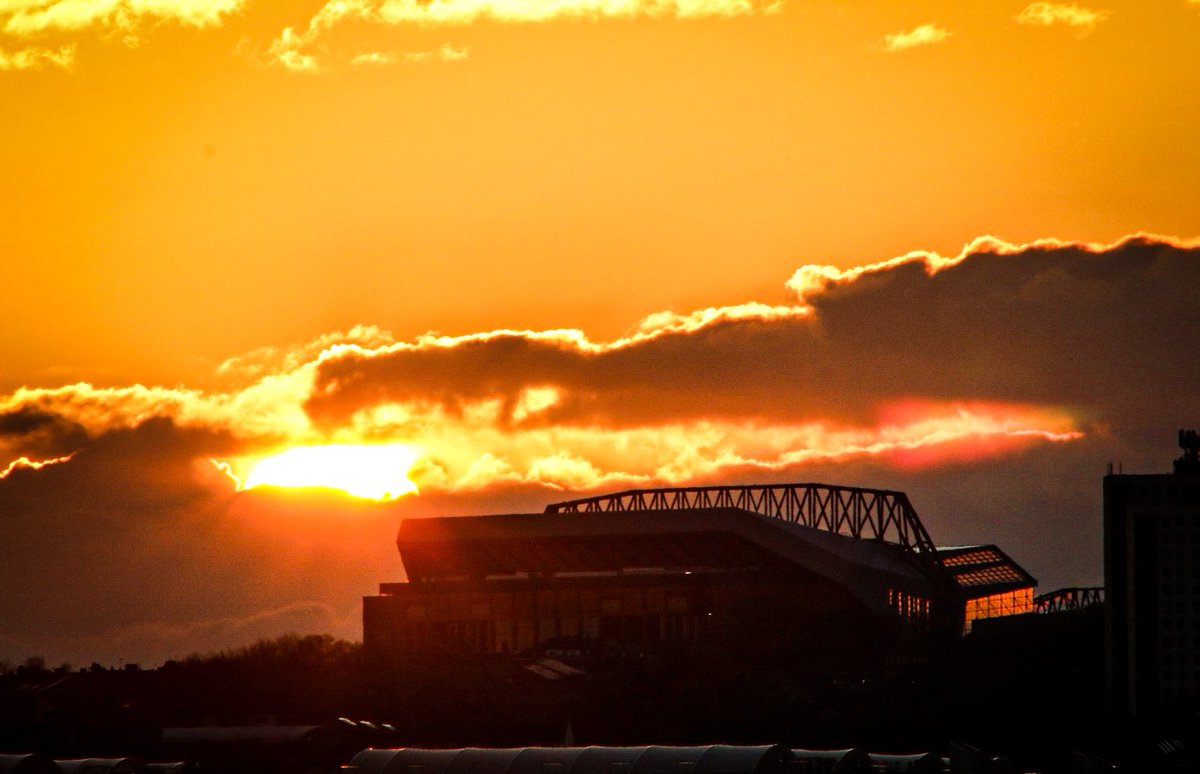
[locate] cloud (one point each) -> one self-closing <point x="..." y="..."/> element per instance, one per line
<point x="925" y="35"/>
<point x="26" y="18"/>
<point x="39" y="433"/>
<point x="34" y="58"/>
<point x="920" y="352"/>
<point x="976" y="340"/>
<point x="376" y="58"/>
<point x="992" y="385"/>
<point x="255" y="364"/>
<point x="289" y="48"/>
<point x="1049" y="14"/>
<point x="24" y="463"/>
<point x="444" y="53"/>
<point x="285" y="51"/>
<point x="137" y="548"/>
<point x="461" y="12"/>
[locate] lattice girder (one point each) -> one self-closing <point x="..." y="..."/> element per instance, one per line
<point x="873" y="514"/>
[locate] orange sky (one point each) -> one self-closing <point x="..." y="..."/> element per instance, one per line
<point x="174" y="195"/>
<point x="548" y="245"/>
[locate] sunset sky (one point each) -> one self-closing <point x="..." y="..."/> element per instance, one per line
<point x="522" y="248"/>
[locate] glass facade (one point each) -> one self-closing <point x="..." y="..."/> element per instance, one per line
<point x="993" y="605"/>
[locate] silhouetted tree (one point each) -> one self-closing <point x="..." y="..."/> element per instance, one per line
<point x="290" y="678"/>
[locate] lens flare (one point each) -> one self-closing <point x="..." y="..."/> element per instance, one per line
<point x="372" y="472"/>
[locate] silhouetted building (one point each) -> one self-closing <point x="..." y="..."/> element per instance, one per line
<point x="847" y="578"/>
<point x="1152" y="577"/>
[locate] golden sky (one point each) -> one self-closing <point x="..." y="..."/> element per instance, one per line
<point x="535" y="246"/>
<point x="180" y="187"/>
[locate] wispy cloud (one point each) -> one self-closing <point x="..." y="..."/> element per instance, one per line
<point x="458" y="12"/>
<point x="33" y="17"/>
<point x="1049" y="14"/>
<point x="34" y="58"/>
<point x="444" y="53"/>
<point x="286" y="52"/>
<point x="925" y="35"/>
<point x="377" y="58"/>
<point x="288" y="49"/>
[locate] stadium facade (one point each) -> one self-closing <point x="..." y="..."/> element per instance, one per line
<point x="841" y="576"/>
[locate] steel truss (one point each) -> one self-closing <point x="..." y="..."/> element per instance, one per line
<point x="874" y="514"/>
<point x="1075" y="598"/>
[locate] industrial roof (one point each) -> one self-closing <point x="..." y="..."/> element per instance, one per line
<point x="984" y="570"/>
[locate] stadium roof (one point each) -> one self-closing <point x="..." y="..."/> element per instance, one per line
<point x="701" y="539"/>
<point x="983" y="570"/>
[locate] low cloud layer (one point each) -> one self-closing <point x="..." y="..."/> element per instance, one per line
<point x="999" y="323"/>
<point x="992" y="385"/>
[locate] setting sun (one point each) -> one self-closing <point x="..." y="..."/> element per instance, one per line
<point x="373" y="472"/>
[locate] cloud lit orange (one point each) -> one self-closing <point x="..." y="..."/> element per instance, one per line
<point x="24" y="463"/>
<point x="683" y="397"/>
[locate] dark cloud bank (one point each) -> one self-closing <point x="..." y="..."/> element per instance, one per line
<point x="137" y="548"/>
<point x="1108" y="332"/>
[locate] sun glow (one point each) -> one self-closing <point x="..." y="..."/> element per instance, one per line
<point x="372" y="472"/>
